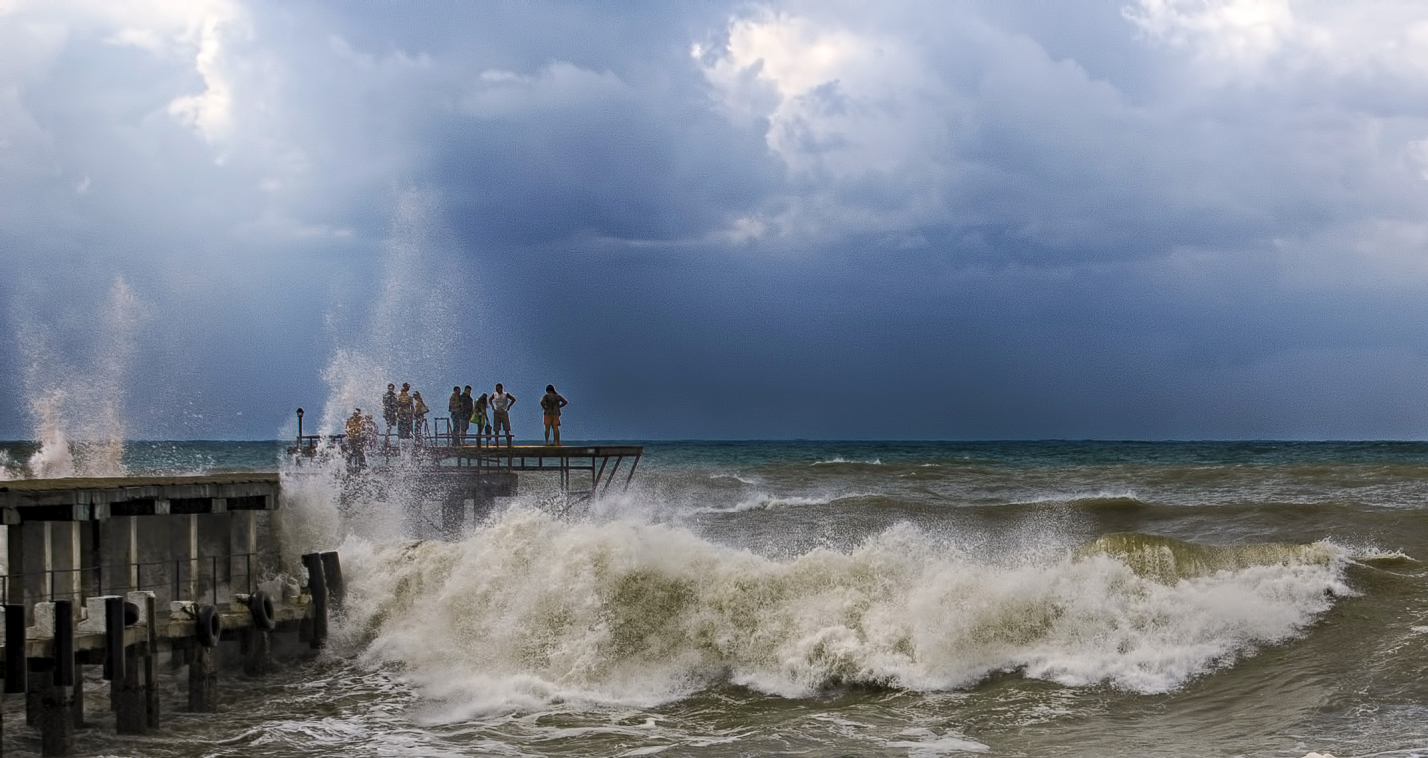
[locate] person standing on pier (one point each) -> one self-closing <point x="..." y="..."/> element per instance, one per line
<point x="389" y="407"/>
<point x="468" y="406"/>
<point x="419" y="411"/>
<point x="369" y="433"/>
<point x="501" y="402"/>
<point x="404" y="413"/>
<point x="551" y="403"/>
<point x="459" y="420"/>
<point x="483" y="422"/>
<point x="356" y="456"/>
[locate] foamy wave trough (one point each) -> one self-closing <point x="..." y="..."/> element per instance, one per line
<point x="533" y="609"/>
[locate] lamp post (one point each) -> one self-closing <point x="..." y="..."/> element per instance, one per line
<point x="299" y="427"/>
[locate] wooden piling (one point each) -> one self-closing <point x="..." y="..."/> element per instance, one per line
<point x="202" y="680"/>
<point x="332" y="574"/>
<point x="130" y="714"/>
<point x="317" y="588"/>
<point x="151" y="666"/>
<point x="257" y="651"/>
<point x="56" y="708"/>
<point x="16" y="665"/>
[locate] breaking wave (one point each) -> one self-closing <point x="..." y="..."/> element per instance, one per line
<point x="531" y="610"/>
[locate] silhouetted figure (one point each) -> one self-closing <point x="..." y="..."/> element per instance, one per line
<point x="551" y="403"/>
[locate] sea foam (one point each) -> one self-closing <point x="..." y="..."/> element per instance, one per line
<point x="533" y="609"/>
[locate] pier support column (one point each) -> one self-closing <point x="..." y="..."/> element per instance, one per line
<point x="38" y="562"/>
<point x="243" y="541"/>
<point x="14" y="566"/>
<point x="66" y="554"/>
<point x="453" y="516"/>
<point x="191" y="546"/>
<point x="128" y="529"/>
<point x="202" y="680"/>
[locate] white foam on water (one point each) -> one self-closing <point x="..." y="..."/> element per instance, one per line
<point x="841" y="460"/>
<point x="532" y="610"/>
<point x="1104" y="495"/>
<point x="928" y="744"/>
<point x="735" y="477"/>
<point x="764" y="502"/>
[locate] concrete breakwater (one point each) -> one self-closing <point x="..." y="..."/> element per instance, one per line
<point x="142" y="575"/>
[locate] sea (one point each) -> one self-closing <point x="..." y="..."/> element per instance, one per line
<point x="822" y="599"/>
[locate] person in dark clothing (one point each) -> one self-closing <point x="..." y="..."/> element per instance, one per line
<point x="458" y="418"/>
<point x="468" y="406"/>
<point x="389" y="407"/>
<point x="551" y="403"/>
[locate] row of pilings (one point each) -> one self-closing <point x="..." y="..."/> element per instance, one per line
<point x="130" y="637"/>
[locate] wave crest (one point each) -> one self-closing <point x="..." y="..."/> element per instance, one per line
<point x="537" y="608"/>
<point x="1167" y="559"/>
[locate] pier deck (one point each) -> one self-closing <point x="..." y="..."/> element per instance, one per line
<point x="86" y="499"/>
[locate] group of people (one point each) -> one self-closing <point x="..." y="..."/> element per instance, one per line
<point x="489" y="413"/>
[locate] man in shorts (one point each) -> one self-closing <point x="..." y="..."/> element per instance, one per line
<point x="501" y="402"/>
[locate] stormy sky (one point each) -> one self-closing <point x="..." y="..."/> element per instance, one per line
<point x="942" y="219"/>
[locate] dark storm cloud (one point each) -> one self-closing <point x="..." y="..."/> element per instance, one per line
<point x="915" y="219"/>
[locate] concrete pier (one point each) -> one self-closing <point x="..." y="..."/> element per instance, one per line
<point x="120" y="572"/>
